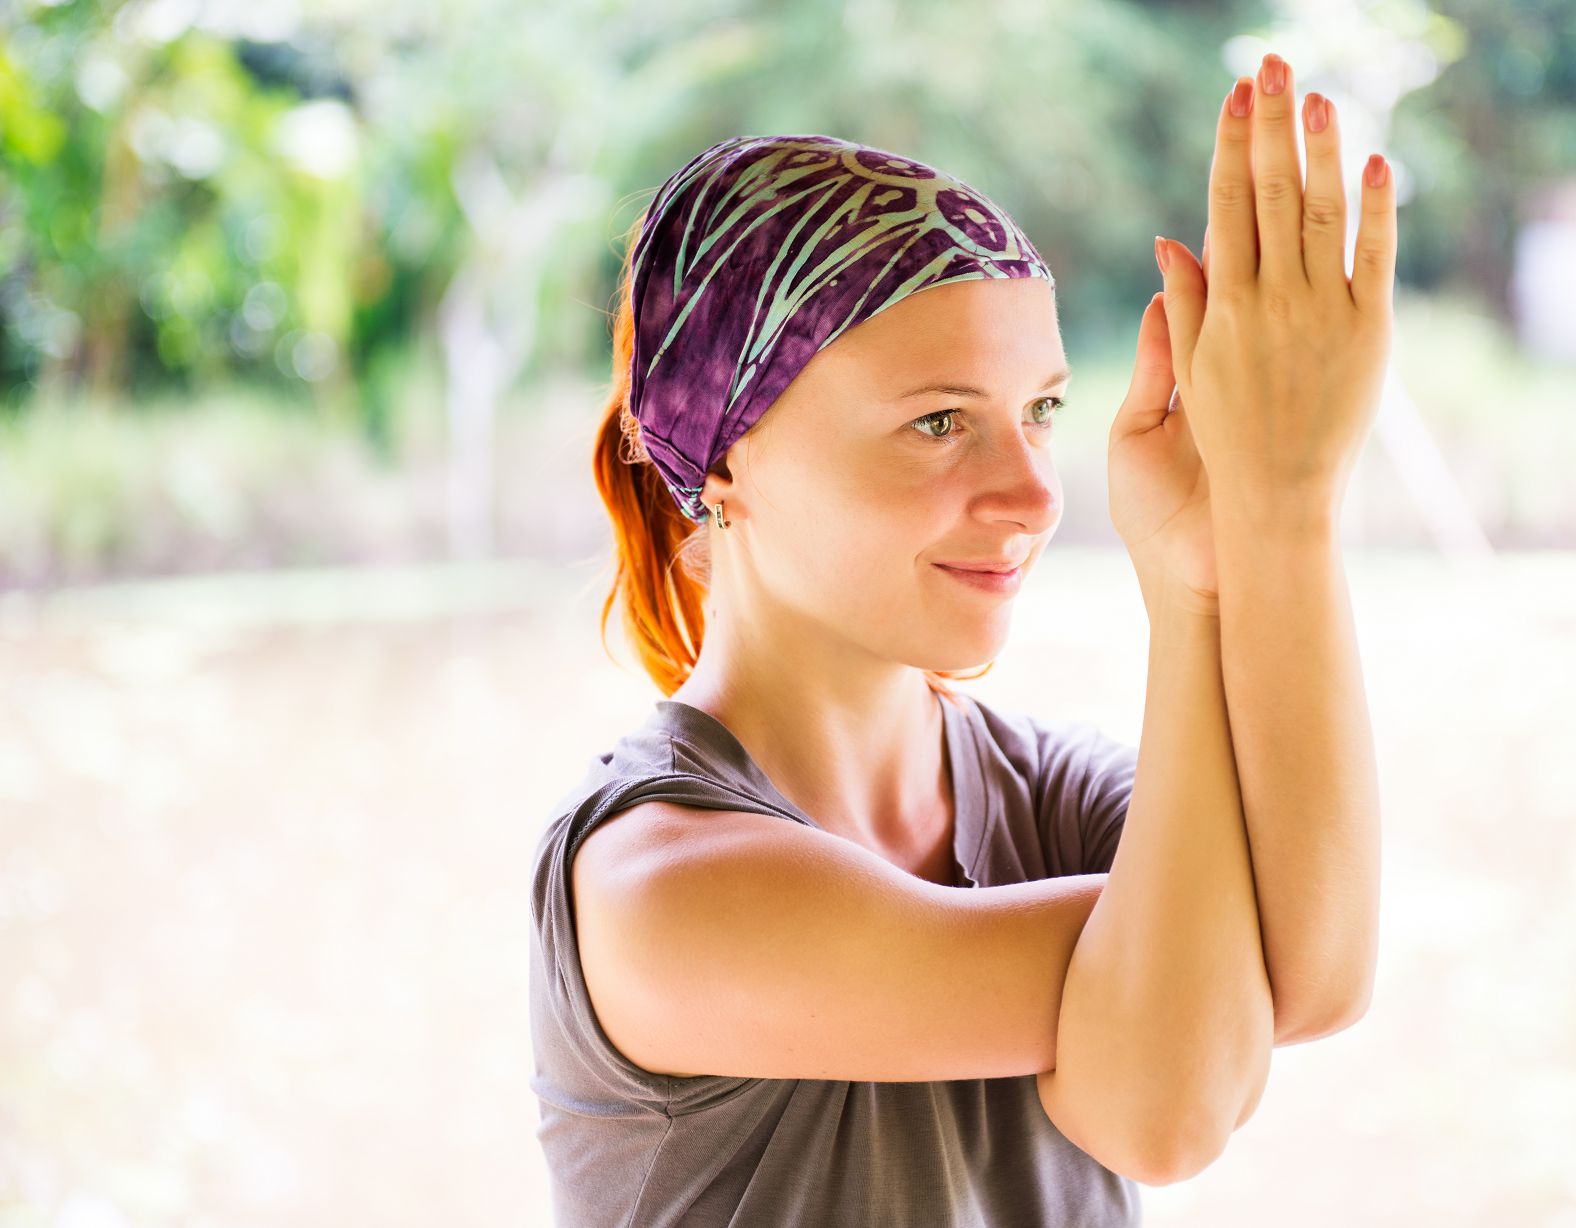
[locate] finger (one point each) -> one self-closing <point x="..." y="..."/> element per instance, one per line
<point x="1373" y="260"/>
<point x="1184" y="304"/>
<point x="1231" y="217"/>
<point x="1206" y="255"/>
<point x="1149" y="392"/>
<point x="1277" y="175"/>
<point x="1324" y="201"/>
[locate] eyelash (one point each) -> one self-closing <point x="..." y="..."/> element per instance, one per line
<point x="1057" y="404"/>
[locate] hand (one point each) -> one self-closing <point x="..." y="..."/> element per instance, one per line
<point x="1281" y="370"/>
<point x="1159" y="488"/>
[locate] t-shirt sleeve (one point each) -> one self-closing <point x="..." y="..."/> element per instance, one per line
<point x="577" y="1062"/>
<point x="1086" y="780"/>
<point x="567" y="1031"/>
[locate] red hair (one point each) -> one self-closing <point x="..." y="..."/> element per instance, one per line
<point x="663" y="558"/>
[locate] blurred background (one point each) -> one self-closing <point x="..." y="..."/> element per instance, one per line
<point x="304" y="328"/>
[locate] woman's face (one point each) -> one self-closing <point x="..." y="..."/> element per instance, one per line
<point x="853" y="487"/>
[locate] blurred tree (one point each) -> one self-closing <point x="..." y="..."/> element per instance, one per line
<point x="198" y="191"/>
<point x="173" y="215"/>
<point x="1499" y="122"/>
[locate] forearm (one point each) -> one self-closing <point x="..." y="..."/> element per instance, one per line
<point x="1305" y="762"/>
<point x="1166" y="1016"/>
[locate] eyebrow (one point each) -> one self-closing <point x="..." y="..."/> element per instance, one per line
<point x="964" y="390"/>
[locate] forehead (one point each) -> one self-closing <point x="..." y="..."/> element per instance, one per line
<point x="963" y="327"/>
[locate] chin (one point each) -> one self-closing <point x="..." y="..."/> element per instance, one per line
<point x="964" y="652"/>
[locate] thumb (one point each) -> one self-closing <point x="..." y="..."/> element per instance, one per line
<point x="1149" y="393"/>
<point x="1184" y="291"/>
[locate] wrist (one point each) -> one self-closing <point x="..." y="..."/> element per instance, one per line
<point x="1238" y="510"/>
<point x="1287" y="531"/>
<point x="1164" y="592"/>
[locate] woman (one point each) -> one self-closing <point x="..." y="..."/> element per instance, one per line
<point x="758" y="994"/>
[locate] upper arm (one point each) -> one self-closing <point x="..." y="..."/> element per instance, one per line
<point x="742" y="944"/>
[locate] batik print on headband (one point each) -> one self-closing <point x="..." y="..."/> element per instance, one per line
<point x="760" y="251"/>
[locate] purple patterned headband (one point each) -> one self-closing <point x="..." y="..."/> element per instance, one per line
<point x="760" y="251"/>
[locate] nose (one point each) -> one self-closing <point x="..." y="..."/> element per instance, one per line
<point x="1020" y="484"/>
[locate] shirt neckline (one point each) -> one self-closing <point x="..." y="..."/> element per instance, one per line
<point x="698" y="727"/>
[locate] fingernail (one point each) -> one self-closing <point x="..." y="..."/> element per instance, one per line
<point x="1318" y="113"/>
<point x="1376" y="172"/>
<point x="1162" y="254"/>
<point x="1242" y="97"/>
<point x="1274" y="74"/>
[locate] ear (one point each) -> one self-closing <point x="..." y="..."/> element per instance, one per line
<point x="718" y="487"/>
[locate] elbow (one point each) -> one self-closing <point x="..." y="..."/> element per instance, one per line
<point x="1171" y="1146"/>
<point x="1195" y="1130"/>
<point x="1357" y="1007"/>
<point x="1181" y="1152"/>
<point x="1341" y="1020"/>
<point x="1183" y="1166"/>
<point x="1143" y="1121"/>
<point x="1324" y="1007"/>
<point x="1154" y="1146"/>
<point x="1299" y="1031"/>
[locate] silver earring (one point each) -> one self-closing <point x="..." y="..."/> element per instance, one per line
<point x="716" y="510"/>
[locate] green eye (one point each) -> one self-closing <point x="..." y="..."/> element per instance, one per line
<point x="1056" y="404"/>
<point x="943" y="415"/>
<point x="1043" y="423"/>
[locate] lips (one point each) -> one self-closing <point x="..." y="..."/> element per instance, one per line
<point x="996" y="568"/>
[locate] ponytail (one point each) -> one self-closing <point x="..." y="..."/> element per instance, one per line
<point x="663" y="561"/>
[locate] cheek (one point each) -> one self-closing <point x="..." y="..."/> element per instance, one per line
<point x="864" y="481"/>
<point x="880" y="474"/>
<point x="904" y="504"/>
<point x="858" y="543"/>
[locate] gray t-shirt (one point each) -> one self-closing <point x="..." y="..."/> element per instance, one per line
<point x="627" y="1147"/>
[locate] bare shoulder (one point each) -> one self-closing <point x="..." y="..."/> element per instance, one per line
<point x="621" y="842"/>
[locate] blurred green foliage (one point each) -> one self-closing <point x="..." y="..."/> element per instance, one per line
<point x="197" y="193"/>
<point x="174" y="214"/>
